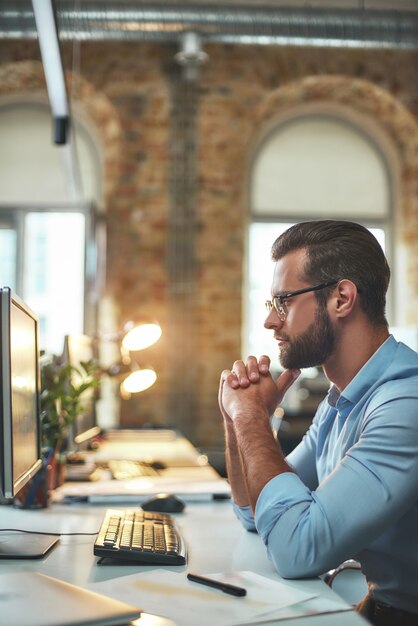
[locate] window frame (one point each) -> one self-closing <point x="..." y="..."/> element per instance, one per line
<point x="94" y="242"/>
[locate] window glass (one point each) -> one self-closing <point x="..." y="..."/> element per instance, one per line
<point x="258" y="340"/>
<point x="54" y="274"/>
<point x="47" y="220"/>
<point x="319" y="166"/>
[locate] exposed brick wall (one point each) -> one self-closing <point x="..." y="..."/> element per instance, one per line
<point x="124" y="89"/>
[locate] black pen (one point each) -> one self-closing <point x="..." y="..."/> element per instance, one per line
<point x="217" y="584"/>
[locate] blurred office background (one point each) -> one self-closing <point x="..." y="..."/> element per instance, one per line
<point x="199" y="131"/>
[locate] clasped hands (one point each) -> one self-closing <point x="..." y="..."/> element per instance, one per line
<point x="249" y="388"/>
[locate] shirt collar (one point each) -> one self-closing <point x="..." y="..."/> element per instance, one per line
<point x="371" y="371"/>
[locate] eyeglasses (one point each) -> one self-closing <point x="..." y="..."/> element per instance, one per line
<point x="279" y="302"/>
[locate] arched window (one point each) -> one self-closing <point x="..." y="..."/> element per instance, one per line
<point x="47" y="242"/>
<point x="310" y="167"/>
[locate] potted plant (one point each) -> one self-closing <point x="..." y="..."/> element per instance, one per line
<point x="63" y="388"/>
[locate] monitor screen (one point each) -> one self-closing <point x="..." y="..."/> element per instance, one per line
<point x="20" y="391"/>
<point x="81" y="349"/>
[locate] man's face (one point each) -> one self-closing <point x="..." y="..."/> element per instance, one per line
<point x="306" y="338"/>
<point x="312" y="347"/>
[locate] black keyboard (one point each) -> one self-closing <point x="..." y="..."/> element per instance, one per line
<point x="140" y="536"/>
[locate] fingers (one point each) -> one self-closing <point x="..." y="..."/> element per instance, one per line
<point x="286" y="380"/>
<point x="254" y="368"/>
<point x="243" y="374"/>
<point x="246" y="373"/>
<point x="230" y="378"/>
<point x="221" y="406"/>
<point x="264" y="364"/>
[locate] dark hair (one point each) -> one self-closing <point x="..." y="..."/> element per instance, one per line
<point x="339" y="249"/>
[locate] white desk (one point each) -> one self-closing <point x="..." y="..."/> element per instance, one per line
<point x="165" y="446"/>
<point x="215" y="539"/>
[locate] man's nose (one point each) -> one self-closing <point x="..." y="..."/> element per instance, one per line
<point x="273" y="320"/>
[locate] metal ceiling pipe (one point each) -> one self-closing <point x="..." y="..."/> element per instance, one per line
<point x="100" y="20"/>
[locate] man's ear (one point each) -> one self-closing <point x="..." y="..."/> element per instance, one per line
<point x="345" y="298"/>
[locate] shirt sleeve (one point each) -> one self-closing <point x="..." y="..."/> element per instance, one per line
<point x="302" y="459"/>
<point x="245" y="516"/>
<point x="308" y="532"/>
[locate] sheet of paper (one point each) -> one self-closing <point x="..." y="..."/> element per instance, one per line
<point x="280" y="594"/>
<point x="171" y="595"/>
<point x="314" y="606"/>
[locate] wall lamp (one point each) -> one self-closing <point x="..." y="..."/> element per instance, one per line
<point x="133" y="338"/>
<point x="140" y="336"/>
<point x="53" y="68"/>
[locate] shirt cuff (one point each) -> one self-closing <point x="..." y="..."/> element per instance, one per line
<point x="245" y="516"/>
<point x="277" y="496"/>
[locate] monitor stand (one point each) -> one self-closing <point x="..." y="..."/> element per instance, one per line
<point x="17" y="545"/>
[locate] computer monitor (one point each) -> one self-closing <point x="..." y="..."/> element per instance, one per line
<point x="20" y="420"/>
<point x="20" y="391"/>
<point x="81" y="349"/>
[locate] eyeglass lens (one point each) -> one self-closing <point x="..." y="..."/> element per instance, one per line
<point x="279" y="307"/>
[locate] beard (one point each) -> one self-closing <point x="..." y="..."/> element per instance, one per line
<point x="313" y="347"/>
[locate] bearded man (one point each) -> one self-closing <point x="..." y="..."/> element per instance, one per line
<point x="350" y="488"/>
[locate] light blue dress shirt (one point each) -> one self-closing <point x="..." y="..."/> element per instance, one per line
<point x="355" y="490"/>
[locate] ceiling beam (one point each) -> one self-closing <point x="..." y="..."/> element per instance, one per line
<point x="98" y="20"/>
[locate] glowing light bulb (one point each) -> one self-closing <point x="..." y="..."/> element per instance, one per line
<point x="141" y="337"/>
<point x="139" y="381"/>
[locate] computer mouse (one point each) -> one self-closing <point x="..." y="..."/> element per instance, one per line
<point x="164" y="503"/>
<point x="158" y="465"/>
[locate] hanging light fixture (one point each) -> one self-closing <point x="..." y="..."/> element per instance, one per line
<point x="52" y="63"/>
